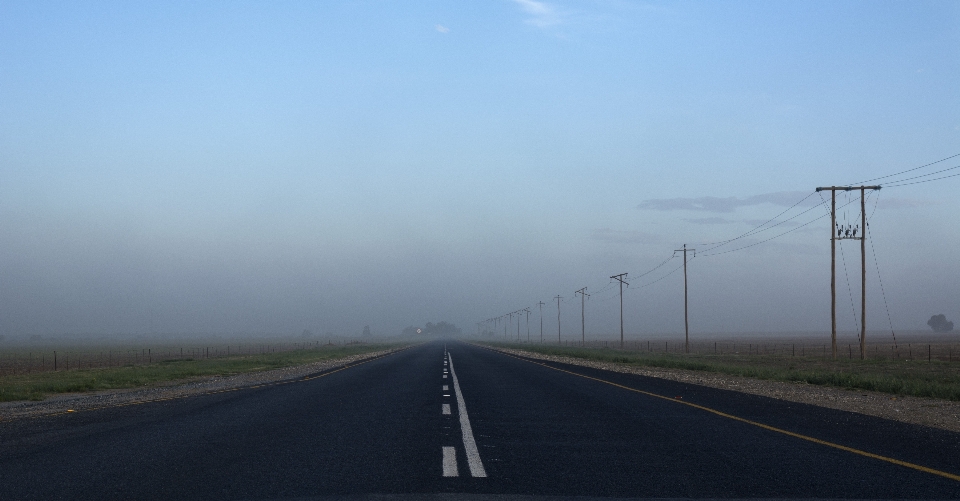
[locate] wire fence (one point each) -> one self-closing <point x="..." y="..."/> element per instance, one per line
<point x="931" y="351"/>
<point x="18" y="361"/>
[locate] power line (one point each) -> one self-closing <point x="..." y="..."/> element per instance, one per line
<point x="895" y="185"/>
<point x="779" y="235"/>
<point x="655" y="268"/>
<point x="756" y="228"/>
<point x="853" y="309"/>
<point x="924" y="175"/>
<point x="765" y="226"/>
<point x="884" y="294"/>
<point x="665" y="276"/>
<point x="906" y="171"/>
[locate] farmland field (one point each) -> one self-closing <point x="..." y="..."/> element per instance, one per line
<point x="923" y="366"/>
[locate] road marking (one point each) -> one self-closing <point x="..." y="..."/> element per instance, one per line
<point x="444" y="376"/>
<point x="446" y="388"/>
<point x="473" y="455"/>
<point x="859" y="452"/>
<point x="450" y="462"/>
<point x="446" y="409"/>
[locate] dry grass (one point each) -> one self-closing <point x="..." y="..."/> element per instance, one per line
<point x="36" y="386"/>
<point x="920" y="378"/>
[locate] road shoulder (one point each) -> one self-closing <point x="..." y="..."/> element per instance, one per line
<point x="942" y="414"/>
<point x="59" y="404"/>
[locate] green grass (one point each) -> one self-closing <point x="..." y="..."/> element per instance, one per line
<point x="936" y="379"/>
<point x="39" y="385"/>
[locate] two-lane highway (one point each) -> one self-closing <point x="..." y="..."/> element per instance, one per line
<point x="450" y="417"/>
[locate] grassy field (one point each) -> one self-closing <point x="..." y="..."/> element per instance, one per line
<point x="36" y="386"/>
<point x="937" y="379"/>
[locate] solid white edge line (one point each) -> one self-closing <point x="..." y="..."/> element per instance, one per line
<point x="473" y="455"/>
<point x="450" y="462"/>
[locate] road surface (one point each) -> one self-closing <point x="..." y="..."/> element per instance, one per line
<point x="450" y="420"/>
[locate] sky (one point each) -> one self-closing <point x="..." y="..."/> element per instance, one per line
<point x="270" y="167"/>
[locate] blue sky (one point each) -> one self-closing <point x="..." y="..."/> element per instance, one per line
<point x="275" y="166"/>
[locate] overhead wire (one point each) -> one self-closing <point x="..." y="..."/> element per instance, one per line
<point x="757" y="229"/>
<point x="706" y="254"/>
<point x="897" y="184"/>
<point x="665" y="276"/>
<point x="925" y="175"/>
<point x="922" y="178"/>
<point x="853" y="309"/>
<point x="876" y="264"/>
<point x="906" y="171"/>
<point x="655" y="268"/>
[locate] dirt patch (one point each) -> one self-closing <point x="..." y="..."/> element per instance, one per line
<point x="943" y="414"/>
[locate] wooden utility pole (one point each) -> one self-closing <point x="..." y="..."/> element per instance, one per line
<point x="541" y="303"/>
<point x="509" y="322"/>
<point x="620" y="278"/>
<point x="528" y="324"/>
<point x="686" y="318"/>
<point x="558" y="298"/>
<point x="583" y="324"/>
<point x="837" y="233"/>
<point x="863" y="275"/>
<point x="518" y="312"/>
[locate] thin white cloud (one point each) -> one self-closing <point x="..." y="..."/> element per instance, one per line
<point x="624" y="236"/>
<point x="442" y="29"/>
<point x="709" y="220"/>
<point x="902" y="203"/>
<point x="728" y="204"/>
<point x="542" y="14"/>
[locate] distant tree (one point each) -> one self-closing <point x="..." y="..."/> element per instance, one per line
<point x="410" y="331"/>
<point x="939" y="323"/>
<point x="306" y="334"/>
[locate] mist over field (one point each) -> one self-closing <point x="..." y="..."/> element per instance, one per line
<point x="187" y="171"/>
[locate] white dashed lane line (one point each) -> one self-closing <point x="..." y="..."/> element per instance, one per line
<point x="450" y="462"/>
<point x="469" y="444"/>
<point x="446" y="409"/>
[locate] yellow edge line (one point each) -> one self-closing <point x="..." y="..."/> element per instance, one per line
<point x="859" y="452"/>
<point x="214" y="392"/>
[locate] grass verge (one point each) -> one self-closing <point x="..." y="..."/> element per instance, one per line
<point x="934" y="379"/>
<point x="39" y="385"/>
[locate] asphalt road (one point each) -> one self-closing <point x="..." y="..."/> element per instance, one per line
<point x="456" y="421"/>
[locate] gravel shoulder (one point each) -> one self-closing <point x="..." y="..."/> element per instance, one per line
<point x="75" y="402"/>
<point x="943" y="414"/>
